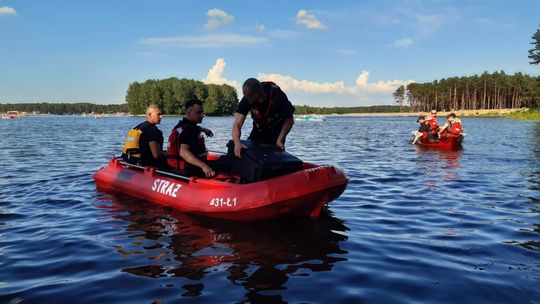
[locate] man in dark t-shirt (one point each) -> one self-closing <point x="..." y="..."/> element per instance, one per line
<point x="423" y="129"/>
<point x="151" y="139"/>
<point x="272" y="114"/>
<point x="187" y="150"/>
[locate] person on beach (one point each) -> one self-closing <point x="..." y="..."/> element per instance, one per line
<point x="144" y="143"/>
<point x="272" y="114"/>
<point x="452" y="127"/>
<point x="187" y="151"/>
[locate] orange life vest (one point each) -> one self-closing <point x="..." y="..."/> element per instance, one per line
<point x="454" y="127"/>
<point x="433" y="125"/>
<point x="173" y="150"/>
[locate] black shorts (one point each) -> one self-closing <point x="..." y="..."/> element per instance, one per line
<point x="423" y="128"/>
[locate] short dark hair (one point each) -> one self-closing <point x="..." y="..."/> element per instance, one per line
<point x="453" y="115"/>
<point x="191" y="103"/>
<point x="253" y="85"/>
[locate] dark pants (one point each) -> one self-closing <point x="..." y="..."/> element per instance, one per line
<point x="220" y="165"/>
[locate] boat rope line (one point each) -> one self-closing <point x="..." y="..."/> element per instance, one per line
<point x="158" y="171"/>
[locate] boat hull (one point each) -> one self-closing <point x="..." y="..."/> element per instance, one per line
<point x="302" y="193"/>
<point x="449" y="143"/>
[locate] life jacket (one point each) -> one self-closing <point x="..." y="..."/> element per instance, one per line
<point x="261" y="116"/>
<point x="433" y="125"/>
<point x="454" y="127"/>
<point x="131" y="151"/>
<point x="173" y="150"/>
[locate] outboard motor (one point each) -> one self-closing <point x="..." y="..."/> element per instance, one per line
<point x="260" y="162"/>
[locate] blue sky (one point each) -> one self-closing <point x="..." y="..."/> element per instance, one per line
<point x="321" y="53"/>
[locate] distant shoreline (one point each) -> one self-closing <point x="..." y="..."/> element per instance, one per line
<point x="459" y="113"/>
<point x="483" y="112"/>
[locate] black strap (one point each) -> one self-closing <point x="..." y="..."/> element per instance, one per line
<point x="177" y="149"/>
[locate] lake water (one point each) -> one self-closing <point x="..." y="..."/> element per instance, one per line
<point x="413" y="225"/>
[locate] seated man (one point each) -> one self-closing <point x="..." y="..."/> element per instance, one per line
<point x="452" y="127"/>
<point x="431" y="120"/>
<point x="187" y="151"/>
<point x="144" y="143"/>
<point x="422" y="130"/>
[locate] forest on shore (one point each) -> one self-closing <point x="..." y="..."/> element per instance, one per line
<point x="87" y="108"/>
<point x="63" y="108"/>
<point x="170" y="95"/>
<point x="487" y="91"/>
<point x="496" y="90"/>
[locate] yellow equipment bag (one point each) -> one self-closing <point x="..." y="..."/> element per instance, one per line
<point x="131" y="151"/>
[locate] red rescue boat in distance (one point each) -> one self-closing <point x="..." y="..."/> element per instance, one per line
<point x="301" y="193"/>
<point x="448" y="143"/>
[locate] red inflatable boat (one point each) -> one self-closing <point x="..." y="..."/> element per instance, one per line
<point x="300" y="193"/>
<point x="450" y="143"/>
<point x="445" y="142"/>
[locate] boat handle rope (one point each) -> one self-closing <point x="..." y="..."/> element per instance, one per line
<point x="158" y="171"/>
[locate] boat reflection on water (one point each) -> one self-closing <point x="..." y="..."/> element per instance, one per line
<point x="439" y="165"/>
<point x="450" y="157"/>
<point x="259" y="256"/>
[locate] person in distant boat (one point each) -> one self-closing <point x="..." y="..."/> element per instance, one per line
<point x="452" y="127"/>
<point x="144" y="142"/>
<point x="272" y="114"/>
<point x="187" y="150"/>
<point x="431" y="121"/>
<point x="422" y="130"/>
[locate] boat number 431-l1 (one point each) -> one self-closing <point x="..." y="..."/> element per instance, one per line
<point x="223" y="202"/>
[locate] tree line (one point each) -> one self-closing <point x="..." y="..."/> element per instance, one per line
<point x="63" y="108"/>
<point x="487" y="91"/>
<point x="305" y="109"/>
<point x="80" y="108"/>
<point x="171" y="94"/>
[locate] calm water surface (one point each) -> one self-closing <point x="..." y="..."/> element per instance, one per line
<point x="413" y="225"/>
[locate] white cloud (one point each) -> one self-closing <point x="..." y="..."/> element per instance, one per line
<point x="429" y="23"/>
<point x="289" y="83"/>
<point x="206" y="41"/>
<point x="345" y="51"/>
<point x="308" y="20"/>
<point x="216" y="74"/>
<point x="217" y="18"/>
<point x="303" y="91"/>
<point x="405" y="42"/>
<point x="361" y="85"/>
<point x="260" y="27"/>
<point x="388" y="86"/>
<point x="336" y="93"/>
<point x="430" y="20"/>
<point x="387" y="20"/>
<point x="6" y="10"/>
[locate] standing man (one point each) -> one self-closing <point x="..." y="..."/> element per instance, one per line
<point x="187" y="150"/>
<point x="144" y="143"/>
<point x="272" y="114"/>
